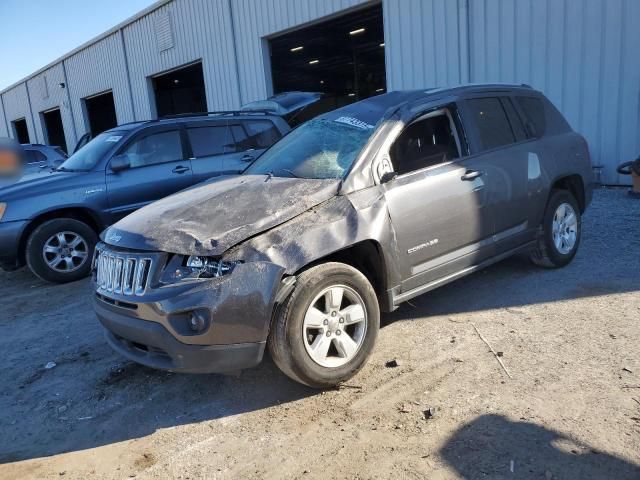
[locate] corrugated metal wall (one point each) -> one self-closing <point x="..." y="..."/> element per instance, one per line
<point x="16" y="106"/>
<point x="45" y="94"/>
<point x="582" y="54"/>
<point x="3" y="122"/>
<point x="96" y="69"/>
<point x="425" y="43"/>
<point x="253" y="21"/>
<point x="200" y="30"/>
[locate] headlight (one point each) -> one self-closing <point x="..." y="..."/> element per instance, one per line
<point x="207" y="267"/>
<point x="3" y="207"/>
<point x="181" y="268"/>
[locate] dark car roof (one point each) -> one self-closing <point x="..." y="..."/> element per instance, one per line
<point x="183" y="118"/>
<point x="372" y="109"/>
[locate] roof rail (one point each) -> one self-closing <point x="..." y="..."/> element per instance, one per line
<point x="221" y="112"/>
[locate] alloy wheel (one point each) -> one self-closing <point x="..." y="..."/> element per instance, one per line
<point x="65" y="252"/>
<point x="565" y="228"/>
<point x="334" y="326"/>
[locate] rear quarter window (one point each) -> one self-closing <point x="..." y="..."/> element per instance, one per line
<point x="210" y="140"/>
<point x="516" y="123"/>
<point x="541" y="117"/>
<point x="536" y="118"/>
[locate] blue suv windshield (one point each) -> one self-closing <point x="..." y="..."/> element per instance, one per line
<point x="88" y="156"/>
<point x="320" y="148"/>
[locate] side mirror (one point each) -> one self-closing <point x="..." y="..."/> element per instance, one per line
<point x="388" y="176"/>
<point x="119" y="163"/>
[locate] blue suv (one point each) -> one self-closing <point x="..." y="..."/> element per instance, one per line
<point x="51" y="221"/>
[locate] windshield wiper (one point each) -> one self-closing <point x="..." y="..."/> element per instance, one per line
<point x="64" y="169"/>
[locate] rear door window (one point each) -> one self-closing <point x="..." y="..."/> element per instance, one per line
<point x="491" y="122"/>
<point x="211" y="140"/>
<point x="533" y="109"/>
<point x="262" y="133"/>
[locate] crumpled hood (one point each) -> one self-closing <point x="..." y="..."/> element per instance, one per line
<point x="211" y="218"/>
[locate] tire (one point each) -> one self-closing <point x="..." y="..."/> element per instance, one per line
<point x="624" y="168"/>
<point x="49" y="235"/>
<point x="629" y="168"/>
<point x="547" y="253"/>
<point x="291" y="338"/>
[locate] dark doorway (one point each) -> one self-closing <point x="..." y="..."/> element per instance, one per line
<point x="342" y="57"/>
<point x="54" y="131"/>
<point x="21" y="131"/>
<point x="101" y="112"/>
<point x="180" y="91"/>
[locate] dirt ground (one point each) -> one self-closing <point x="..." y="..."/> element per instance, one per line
<point x="569" y="338"/>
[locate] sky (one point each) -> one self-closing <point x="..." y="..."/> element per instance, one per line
<point x="33" y="33"/>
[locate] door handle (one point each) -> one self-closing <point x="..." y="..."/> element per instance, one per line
<point x="180" y="169"/>
<point x="247" y="158"/>
<point x="471" y="175"/>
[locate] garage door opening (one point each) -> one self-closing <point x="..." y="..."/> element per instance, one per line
<point x="53" y="129"/>
<point x="20" y="130"/>
<point x="180" y="91"/>
<point x="342" y="57"/>
<point x="101" y="112"/>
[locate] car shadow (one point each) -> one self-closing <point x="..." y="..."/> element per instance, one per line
<point x="516" y="282"/>
<point x="129" y="401"/>
<point x="492" y="446"/>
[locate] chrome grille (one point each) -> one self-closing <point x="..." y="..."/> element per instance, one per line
<point x="122" y="273"/>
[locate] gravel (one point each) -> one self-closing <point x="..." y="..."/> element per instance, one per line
<point x="570" y="410"/>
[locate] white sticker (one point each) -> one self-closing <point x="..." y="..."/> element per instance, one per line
<point x="114" y="138"/>
<point x="354" y="122"/>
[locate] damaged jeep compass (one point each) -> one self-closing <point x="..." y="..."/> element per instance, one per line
<point x="350" y="214"/>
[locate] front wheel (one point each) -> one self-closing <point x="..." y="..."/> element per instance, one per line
<point x="60" y="250"/>
<point x="327" y="327"/>
<point x="560" y="231"/>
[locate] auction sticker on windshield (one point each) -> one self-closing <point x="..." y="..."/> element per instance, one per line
<point x="114" y="138"/>
<point x="354" y="122"/>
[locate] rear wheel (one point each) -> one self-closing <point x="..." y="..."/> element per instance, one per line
<point x="327" y="327"/>
<point x="60" y="250"/>
<point x="559" y="233"/>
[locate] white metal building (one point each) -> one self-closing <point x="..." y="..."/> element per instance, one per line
<point x="582" y="53"/>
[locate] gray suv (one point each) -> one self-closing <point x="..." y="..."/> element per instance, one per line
<point x="350" y="214"/>
<point x="51" y="221"/>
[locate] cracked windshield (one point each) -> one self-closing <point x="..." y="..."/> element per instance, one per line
<point x="318" y="149"/>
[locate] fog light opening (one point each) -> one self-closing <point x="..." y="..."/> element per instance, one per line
<point x="197" y="322"/>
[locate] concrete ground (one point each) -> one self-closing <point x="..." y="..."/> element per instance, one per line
<point x="570" y="410"/>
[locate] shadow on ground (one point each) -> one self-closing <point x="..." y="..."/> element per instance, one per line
<point x="485" y="448"/>
<point x="129" y="401"/>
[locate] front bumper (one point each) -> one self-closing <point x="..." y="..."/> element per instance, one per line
<point x="153" y="329"/>
<point x="150" y="344"/>
<point x="10" y="233"/>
